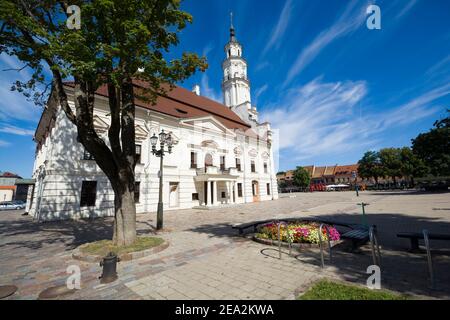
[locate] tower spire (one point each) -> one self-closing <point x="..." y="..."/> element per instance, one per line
<point x="232" y="34"/>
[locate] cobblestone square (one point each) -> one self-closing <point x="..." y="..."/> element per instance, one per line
<point x="207" y="259"/>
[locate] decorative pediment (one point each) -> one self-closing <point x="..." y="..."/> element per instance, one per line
<point x="252" y="153"/>
<point x="141" y="133"/>
<point x="207" y="123"/>
<point x="265" y="155"/>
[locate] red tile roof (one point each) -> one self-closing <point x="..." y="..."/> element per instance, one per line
<point x="182" y="103"/>
<point x="348" y="169"/>
<point x="7" y="174"/>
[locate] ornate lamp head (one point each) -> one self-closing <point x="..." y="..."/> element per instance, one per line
<point x="162" y="137"/>
<point x="153" y="141"/>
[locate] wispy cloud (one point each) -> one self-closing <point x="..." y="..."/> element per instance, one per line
<point x="408" y="6"/>
<point x="207" y="91"/>
<point x="352" y="17"/>
<point x="16" y="130"/>
<point x="206" y="50"/>
<point x="4" y="143"/>
<point x="442" y="67"/>
<point x="262" y="65"/>
<point x="13" y="105"/>
<point x="321" y="118"/>
<point x="280" y="28"/>
<point x="260" y="91"/>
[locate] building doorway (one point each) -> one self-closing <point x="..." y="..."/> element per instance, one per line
<point x="255" y="191"/>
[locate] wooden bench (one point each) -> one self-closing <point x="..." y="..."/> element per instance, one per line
<point x="414" y="237"/>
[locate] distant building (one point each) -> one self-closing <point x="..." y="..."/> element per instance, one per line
<point x="7" y="185"/>
<point x="325" y="175"/>
<point x="13" y="187"/>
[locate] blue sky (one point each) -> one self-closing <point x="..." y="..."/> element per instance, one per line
<point x="331" y="87"/>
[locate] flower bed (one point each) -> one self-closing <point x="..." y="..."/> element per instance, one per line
<point x="296" y="232"/>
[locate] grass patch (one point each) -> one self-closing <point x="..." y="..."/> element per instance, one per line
<point x="330" y="290"/>
<point x="103" y="247"/>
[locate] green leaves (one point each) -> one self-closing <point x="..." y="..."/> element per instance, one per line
<point x="430" y="153"/>
<point x="116" y="39"/>
<point x="301" y="177"/>
<point x="434" y="147"/>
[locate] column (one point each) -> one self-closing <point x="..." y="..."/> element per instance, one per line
<point x="214" y="191"/>
<point x="234" y="192"/>
<point x="206" y="193"/>
<point x="228" y="185"/>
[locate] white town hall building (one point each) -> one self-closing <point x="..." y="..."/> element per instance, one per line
<point x="222" y="155"/>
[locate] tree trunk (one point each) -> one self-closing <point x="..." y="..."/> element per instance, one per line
<point x="125" y="217"/>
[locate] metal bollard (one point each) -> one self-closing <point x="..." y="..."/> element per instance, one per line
<point x="109" y="264"/>
<point x="430" y="261"/>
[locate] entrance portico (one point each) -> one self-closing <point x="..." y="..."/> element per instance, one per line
<point x="219" y="186"/>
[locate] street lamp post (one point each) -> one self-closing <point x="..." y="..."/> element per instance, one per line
<point x="164" y="139"/>
<point x="356" y="182"/>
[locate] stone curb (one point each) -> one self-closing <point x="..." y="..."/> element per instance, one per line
<point x="78" y="255"/>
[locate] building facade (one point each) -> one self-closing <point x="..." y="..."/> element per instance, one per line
<point x="221" y="155"/>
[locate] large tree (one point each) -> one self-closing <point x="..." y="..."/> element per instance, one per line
<point x="411" y="165"/>
<point x="301" y="177"/>
<point x="370" y="166"/>
<point x="119" y="41"/>
<point x="433" y="147"/>
<point x="391" y="162"/>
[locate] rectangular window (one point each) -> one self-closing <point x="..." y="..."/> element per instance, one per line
<point x="265" y="167"/>
<point x="137" y="191"/>
<point x="253" y="168"/>
<point x="239" y="186"/>
<point x="238" y="164"/>
<point x="194" y="196"/>
<point x="223" y="195"/>
<point x="138" y="153"/>
<point x="88" y="193"/>
<point x="193" y="160"/>
<point x="268" y="189"/>
<point x="222" y="162"/>
<point x="87" y="155"/>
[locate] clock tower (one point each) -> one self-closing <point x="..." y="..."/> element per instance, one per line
<point x="235" y="83"/>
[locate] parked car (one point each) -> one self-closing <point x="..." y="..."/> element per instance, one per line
<point x="12" y="205"/>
